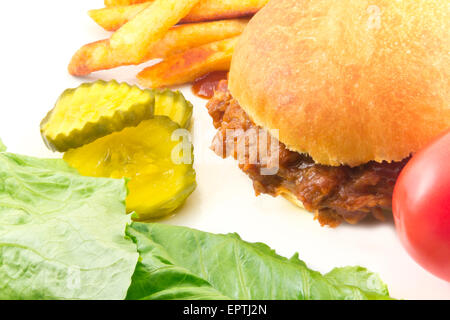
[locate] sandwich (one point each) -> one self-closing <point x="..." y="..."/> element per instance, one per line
<point x="347" y="90"/>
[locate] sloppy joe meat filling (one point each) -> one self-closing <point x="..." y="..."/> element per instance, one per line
<point x="333" y="193"/>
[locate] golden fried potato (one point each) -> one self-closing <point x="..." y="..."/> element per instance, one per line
<point x="208" y="10"/>
<point x="134" y="38"/>
<point x="93" y="57"/>
<point x="110" y="3"/>
<point x="112" y="18"/>
<point x="189" y="65"/>
<point x="99" y="56"/>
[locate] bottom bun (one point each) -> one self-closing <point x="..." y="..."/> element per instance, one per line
<point x="325" y="218"/>
<point x="289" y="196"/>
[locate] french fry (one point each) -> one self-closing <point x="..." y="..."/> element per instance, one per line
<point x="112" y="18"/>
<point x="208" y="10"/>
<point x="132" y="40"/>
<point x="93" y="57"/>
<point x="99" y="56"/>
<point x="111" y="3"/>
<point x="189" y="65"/>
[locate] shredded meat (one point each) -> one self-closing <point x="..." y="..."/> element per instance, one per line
<point x="332" y="193"/>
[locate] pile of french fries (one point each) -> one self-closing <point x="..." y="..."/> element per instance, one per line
<point x="192" y="37"/>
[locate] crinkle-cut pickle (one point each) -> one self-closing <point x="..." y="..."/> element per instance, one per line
<point x="94" y="110"/>
<point x="157" y="184"/>
<point x="174" y="105"/>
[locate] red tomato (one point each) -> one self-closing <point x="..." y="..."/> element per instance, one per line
<point x="421" y="207"/>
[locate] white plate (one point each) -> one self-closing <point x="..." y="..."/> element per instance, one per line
<point x="38" y="40"/>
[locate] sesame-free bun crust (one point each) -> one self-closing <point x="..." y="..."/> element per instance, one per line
<point x="347" y="81"/>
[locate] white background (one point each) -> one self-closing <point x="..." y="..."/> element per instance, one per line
<point x="38" y="39"/>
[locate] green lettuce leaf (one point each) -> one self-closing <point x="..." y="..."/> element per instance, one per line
<point x="182" y="263"/>
<point x="62" y="236"/>
<point x="2" y="146"/>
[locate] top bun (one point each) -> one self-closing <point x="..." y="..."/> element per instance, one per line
<point x="347" y="81"/>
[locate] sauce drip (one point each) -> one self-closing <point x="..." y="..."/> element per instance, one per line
<point x="204" y="86"/>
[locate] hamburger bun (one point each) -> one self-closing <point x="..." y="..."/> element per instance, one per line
<point x="347" y="81"/>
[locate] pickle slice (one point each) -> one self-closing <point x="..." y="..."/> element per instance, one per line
<point x="174" y="105"/>
<point x="94" y="110"/>
<point x="158" y="183"/>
